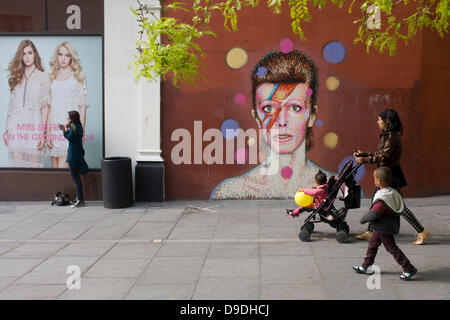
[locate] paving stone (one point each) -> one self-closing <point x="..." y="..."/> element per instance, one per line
<point x="64" y="231"/>
<point x="202" y="219"/>
<point x="8" y="246"/>
<point x="14" y="233"/>
<point x="356" y="289"/>
<point x="17" y="267"/>
<point x="54" y="270"/>
<point x="229" y="267"/>
<point x="233" y="250"/>
<point x="165" y="215"/>
<point x="244" y="216"/>
<point x="288" y="270"/>
<point x="172" y="270"/>
<point x="133" y="251"/>
<point x="95" y="249"/>
<point x="189" y="233"/>
<point x="109" y="233"/>
<point x="117" y="268"/>
<point x="183" y="250"/>
<point x="279" y="232"/>
<point x="285" y="249"/>
<point x="236" y="230"/>
<point x="32" y="292"/>
<point x="85" y="217"/>
<point x="34" y="250"/>
<point x="161" y="292"/>
<point x="99" y="289"/>
<point x="150" y="230"/>
<point x="295" y="292"/>
<point x="6" y="281"/>
<point x="227" y="288"/>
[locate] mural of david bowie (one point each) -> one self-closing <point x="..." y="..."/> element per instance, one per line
<point x="284" y="96"/>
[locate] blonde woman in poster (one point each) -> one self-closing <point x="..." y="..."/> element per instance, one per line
<point x="27" y="109"/>
<point x="68" y="93"/>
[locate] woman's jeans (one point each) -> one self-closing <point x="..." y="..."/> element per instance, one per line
<point x="78" y="184"/>
<point x="407" y="214"/>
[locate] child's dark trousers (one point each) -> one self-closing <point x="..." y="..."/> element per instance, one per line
<point x="389" y="243"/>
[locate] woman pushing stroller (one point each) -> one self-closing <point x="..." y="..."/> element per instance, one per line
<point x="388" y="154"/>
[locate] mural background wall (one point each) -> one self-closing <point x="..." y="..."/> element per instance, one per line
<point x="354" y="87"/>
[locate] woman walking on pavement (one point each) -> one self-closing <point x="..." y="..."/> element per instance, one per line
<point x="73" y="132"/>
<point x="388" y="154"/>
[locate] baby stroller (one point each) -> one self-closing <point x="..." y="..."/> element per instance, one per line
<point x="327" y="213"/>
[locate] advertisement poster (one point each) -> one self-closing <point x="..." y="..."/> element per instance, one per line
<point x="42" y="78"/>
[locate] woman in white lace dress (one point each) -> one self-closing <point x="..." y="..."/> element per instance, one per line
<point x="27" y="109"/>
<point x="68" y="93"/>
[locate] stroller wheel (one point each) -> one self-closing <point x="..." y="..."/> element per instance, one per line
<point x="308" y="226"/>
<point x="304" y="235"/>
<point x="342" y="236"/>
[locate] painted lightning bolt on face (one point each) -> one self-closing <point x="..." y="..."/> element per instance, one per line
<point x="287" y="107"/>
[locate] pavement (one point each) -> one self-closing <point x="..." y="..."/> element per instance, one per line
<point x="191" y="250"/>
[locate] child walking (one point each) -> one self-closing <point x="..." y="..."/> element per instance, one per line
<point x="384" y="215"/>
<point x="319" y="193"/>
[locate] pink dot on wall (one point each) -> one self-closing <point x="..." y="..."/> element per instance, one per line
<point x="286" y="172"/>
<point x="240" y="99"/>
<point x="241" y="156"/>
<point x="286" y="45"/>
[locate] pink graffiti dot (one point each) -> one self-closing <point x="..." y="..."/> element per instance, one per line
<point x="309" y="92"/>
<point x="286" y="172"/>
<point x="241" y="156"/>
<point x="240" y="99"/>
<point x="286" y="45"/>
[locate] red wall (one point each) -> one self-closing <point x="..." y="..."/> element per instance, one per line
<point x="434" y="152"/>
<point x="413" y="82"/>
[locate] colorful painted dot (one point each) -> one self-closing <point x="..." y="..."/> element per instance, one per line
<point x="330" y="140"/>
<point x="359" y="174"/>
<point x="319" y="123"/>
<point x="309" y="92"/>
<point x="286" y="45"/>
<point x="240" y="99"/>
<point x="241" y="156"/>
<point x="251" y="141"/>
<point x="334" y="52"/>
<point x="261" y="72"/>
<point x="229" y="128"/>
<point x="332" y="83"/>
<point x="286" y="172"/>
<point x="236" y="58"/>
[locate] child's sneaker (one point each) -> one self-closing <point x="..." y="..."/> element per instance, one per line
<point x="291" y="213"/>
<point x="361" y="270"/>
<point x="408" y="275"/>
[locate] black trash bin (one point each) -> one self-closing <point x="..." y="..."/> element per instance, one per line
<point x="117" y="182"/>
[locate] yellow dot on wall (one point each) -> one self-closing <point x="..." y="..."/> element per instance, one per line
<point x="236" y="58"/>
<point x="332" y="83"/>
<point x="330" y="140"/>
<point x="251" y="141"/>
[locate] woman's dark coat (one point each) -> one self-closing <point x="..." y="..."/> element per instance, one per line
<point x="75" y="152"/>
<point x="388" y="154"/>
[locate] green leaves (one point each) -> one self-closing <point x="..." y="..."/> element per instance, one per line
<point x="180" y="55"/>
<point x="431" y="14"/>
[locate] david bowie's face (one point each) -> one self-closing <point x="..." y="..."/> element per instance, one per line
<point x="287" y="109"/>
